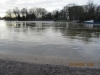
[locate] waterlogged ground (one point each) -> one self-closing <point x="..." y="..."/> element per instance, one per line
<point x="59" y="39"/>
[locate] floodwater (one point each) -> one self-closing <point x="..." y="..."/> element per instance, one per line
<point x="49" y="38"/>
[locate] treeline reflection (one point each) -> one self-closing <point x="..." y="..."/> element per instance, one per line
<point x="68" y="30"/>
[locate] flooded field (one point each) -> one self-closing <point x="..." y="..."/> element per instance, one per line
<point x="60" y="39"/>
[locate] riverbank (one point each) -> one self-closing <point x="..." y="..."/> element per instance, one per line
<point x="44" y="59"/>
<point x="21" y="68"/>
<point x="19" y="64"/>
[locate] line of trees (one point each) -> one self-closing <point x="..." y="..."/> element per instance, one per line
<point x="69" y="12"/>
<point x="29" y="15"/>
<point x="83" y="12"/>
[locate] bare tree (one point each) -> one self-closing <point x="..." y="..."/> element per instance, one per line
<point x="98" y="13"/>
<point x="9" y="13"/>
<point x="24" y="12"/>
<point x="16" y="11"/>
<point x="39" y="12"/>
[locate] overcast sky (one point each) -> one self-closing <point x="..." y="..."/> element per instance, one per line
<point x="49" y="5"/>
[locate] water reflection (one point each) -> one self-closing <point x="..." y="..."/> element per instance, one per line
<point x="67" y="30"/>
<point x="79" y="31"/>
<point x="50" y="38"/>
